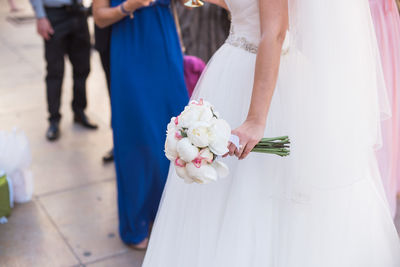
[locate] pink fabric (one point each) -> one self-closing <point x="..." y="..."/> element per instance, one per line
<point x="193" y="69"/>
<point x="387" y="26"/>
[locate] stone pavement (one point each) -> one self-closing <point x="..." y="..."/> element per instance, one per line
<point x="72" y="220"/>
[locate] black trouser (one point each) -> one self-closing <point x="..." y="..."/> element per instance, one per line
<point x="105" y="62"/>
<point x="102" y="44"/>
<point x="71" y="37"/>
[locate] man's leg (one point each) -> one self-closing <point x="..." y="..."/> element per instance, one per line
<point x="105" y="62"/>
<point x="54" y="54"/>
<point x="79" y="54"/>
<point x="55" y="50"/>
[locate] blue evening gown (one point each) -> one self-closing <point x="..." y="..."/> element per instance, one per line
<point x="148" y="88"/>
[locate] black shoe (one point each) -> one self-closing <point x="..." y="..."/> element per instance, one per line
<point x="109" y="156"/>
<point x="84" y="121"/>
<point x="53" y="133"/>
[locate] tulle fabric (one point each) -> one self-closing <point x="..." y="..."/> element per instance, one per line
<point x="387" y="25"/>
<point x="322" y="206"/>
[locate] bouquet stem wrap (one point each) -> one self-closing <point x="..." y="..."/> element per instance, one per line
<point x="276" y="146"/>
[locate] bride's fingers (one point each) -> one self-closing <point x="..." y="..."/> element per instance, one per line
<point x="239" y="155"/>
<point x="232" y="149"/>
<point x="246" y="151"/>
<point x="239" y="151"/>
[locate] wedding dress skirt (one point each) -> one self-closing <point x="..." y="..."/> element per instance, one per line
<point x="387" y="25"/>
<point x="324" y="205"/>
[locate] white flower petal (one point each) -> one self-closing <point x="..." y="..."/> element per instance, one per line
<point x="219" y="148"/>
<point x="199" y="134"/>
<point x="220" y="132"/>
<point x="171" y="145"/>
<point x="182" y="173"/>
<point x="207" y="154"/>
<point x="186" y="150"/>
<point x="172" y="126"/>
<point x="203" y="174"/>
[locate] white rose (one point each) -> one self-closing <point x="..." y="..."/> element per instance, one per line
<point x="207" y="104"/>
<point x="216" y="113"/>
<point x="182" y="172"/>
<point x="186" y="150"/>
<point x="203" y="174"/>
<point x="188" y="116"/>
<point x="199" y="134"/>
<point x="206" y="114"/>
<point x="206" y="154"/>
<point x="171" y="143"/>
<point x="221" y="168"/>
<point x="194" y="113"/>
<point x="172" y="125"/>
<point x="205" y="157"/>
<point x="220" y="131"/>
<point x="201" y="102"/>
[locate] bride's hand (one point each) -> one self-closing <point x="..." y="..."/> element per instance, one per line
<point x="249" y="133"/>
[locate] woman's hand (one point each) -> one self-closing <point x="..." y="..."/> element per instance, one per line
<point x="132" y="5"/>
<point x="249" y="133"/>
<point x="104" y="15"/>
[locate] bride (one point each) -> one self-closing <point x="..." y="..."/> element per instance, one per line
<point x="324" y="205"/>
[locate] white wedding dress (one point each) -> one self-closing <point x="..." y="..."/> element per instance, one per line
<point x="323" y="206"/>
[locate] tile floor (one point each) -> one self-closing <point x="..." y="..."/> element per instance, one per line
<point x="72" y="220"/>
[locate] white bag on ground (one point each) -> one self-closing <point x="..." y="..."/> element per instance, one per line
<point x="22" y="181"/>
<point x="15" y="159"/>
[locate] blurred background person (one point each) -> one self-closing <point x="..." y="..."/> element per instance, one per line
<point x="210" y="24"/>
<point x="63" y="26"/>
<point x="387" y="27"/>
<point x="148" y="88"/>
<point x="102" y="45"/>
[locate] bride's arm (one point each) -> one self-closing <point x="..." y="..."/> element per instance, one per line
<point x="274" y="24"/>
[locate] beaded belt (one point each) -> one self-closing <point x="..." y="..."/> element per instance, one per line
<point x="242" y="43"/>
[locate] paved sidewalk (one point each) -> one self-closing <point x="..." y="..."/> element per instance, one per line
<point x="72" y="220"/>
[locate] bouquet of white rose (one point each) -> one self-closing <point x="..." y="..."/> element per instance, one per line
<point x="197" y="138"/>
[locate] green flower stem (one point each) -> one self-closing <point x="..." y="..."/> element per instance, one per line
<point x="282" y="138"/>
<point x="276" y="146"/>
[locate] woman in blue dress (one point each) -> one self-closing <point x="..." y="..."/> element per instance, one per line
<point x="148" y="88"/>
